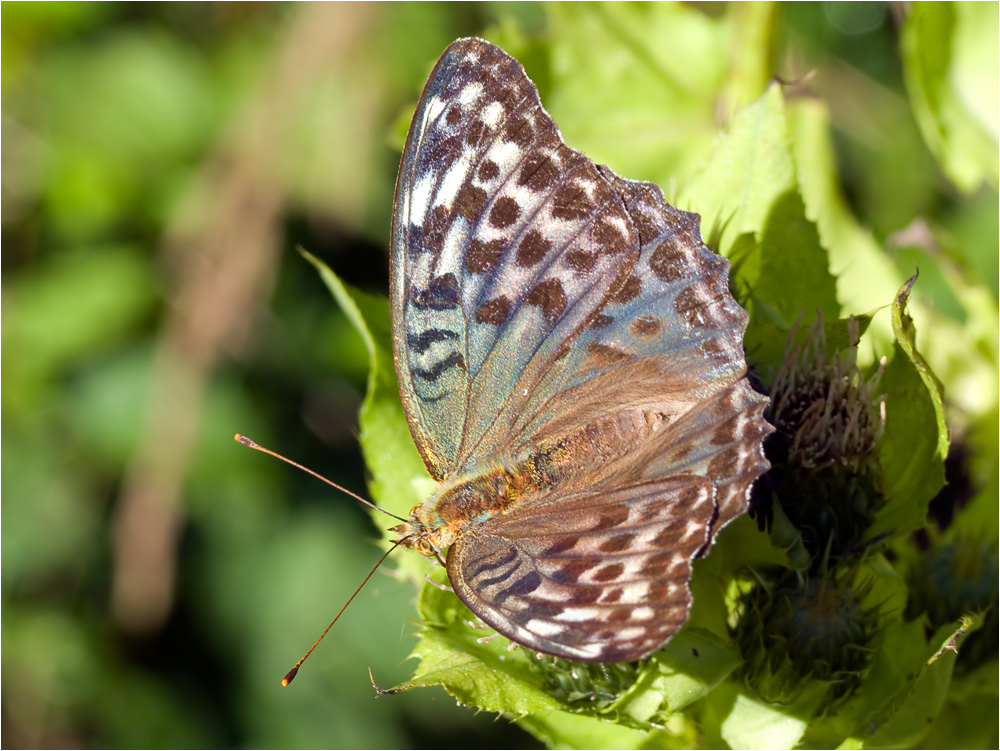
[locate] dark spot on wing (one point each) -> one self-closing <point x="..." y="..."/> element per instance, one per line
<point x="504" y="212"/>
<point x="532" y="249"/>
<point x="548" y="296"/>
<point x="442" y="294"/>
<point x="494" y="311"/>
<point x="483" y="257"/>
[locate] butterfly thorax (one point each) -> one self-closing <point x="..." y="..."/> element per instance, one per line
<point x="463" y="502"/>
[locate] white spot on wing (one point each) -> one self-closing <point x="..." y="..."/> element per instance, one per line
<point x="619" y="222"/>
<point x="453" y="180"/>
<point x="470" y="94"/>
<point x="450" y="258"/>
<point x="503" y="154"/>
<point x="438" y="352"/>
<point x="419" y="199"/>
<point x="544" y="628"/>
<point x="492" y="113"/>
<point x="641" y="614"/>
<point x="630" y="633"/>
<point x="434" y="109"/>
<point x="589" y="650"/>
<point x="635" y="592"/>
<point x="577" y="614"/>
<point x="694" y="528"/>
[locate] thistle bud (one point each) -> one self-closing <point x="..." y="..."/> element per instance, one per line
<point x="587" y="686"/>
<point x="954" y="579"/>
<point x="801" y="633"/>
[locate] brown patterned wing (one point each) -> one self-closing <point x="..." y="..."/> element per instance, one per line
<point x="599" y="577"/>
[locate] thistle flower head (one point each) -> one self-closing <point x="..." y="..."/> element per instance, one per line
<point x="829" y="420"/>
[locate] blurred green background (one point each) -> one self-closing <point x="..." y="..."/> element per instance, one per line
<point x="161" y="163"/>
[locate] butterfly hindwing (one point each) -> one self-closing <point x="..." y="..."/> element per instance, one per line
<point x="600" y="577"/>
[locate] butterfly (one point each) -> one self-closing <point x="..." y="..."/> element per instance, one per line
<point x="570" y="362"/>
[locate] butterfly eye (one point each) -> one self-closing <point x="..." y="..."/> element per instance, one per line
<point x="423" y="547"/>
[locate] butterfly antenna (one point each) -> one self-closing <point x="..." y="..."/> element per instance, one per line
<point x="290" y="675"/>
<point x="247" y="442"/>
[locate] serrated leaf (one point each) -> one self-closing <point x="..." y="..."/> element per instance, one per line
<point x="915" y="443"/>
<point x="749" y="170"/>
<point x="480" y="673"/>
<point x="865" y="275"/>
<point x="752" y="212"/>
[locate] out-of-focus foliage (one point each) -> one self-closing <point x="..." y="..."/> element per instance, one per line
<point x="161" y="165"/>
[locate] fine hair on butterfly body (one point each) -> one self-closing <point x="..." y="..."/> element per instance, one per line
<point x="570" y="361"/>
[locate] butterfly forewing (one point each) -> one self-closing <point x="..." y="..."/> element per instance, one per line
<point x="570" y="361"/>
<point x="674" y="333"/>
<point x="506" y="244"/>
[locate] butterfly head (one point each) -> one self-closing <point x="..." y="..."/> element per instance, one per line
<point x="417" y="535"/>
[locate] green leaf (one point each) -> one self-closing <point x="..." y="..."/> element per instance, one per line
<point x="750" y="168"/>
<point x="753" y="723"/>
<point x="565" y="730"/>
<point x="968" y="719"/>
<point x="915" y="443"/>
<point x="478" y="669"/>
<point x="865" y="275"/>
<point x="655" y="122"/>
<point x="950" y="61"/>
<point x="791" y="277"/>
<point x="692" y="664"/>
<point x="751" y="210"/>
<point x="904" y="688"/>
<point x="913" y="709"/>
<point x="474" y="670"/>
<point x="399" y="480"/>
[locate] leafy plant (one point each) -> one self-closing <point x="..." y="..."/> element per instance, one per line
<point x="799" y="633"/>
